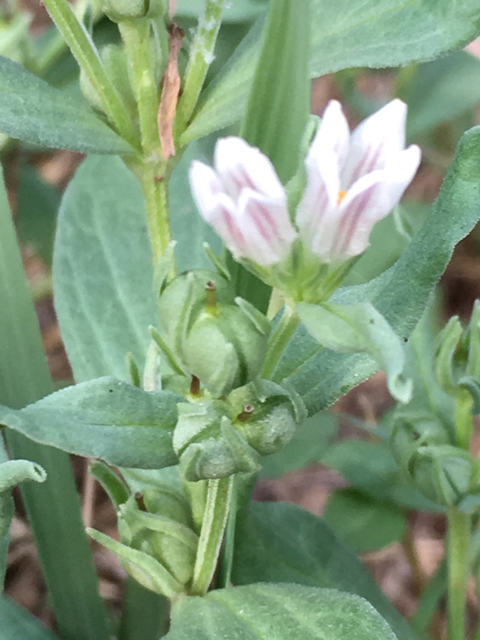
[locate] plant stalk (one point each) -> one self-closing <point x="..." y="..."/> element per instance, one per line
<point x="158" y="214"/>
<point x="136" y="39"/>
<point x="85" y="53"/>
<point x="459" y="525"/>
<point x="280" y="338"/>
<point x="201" y="57"/>
<point x="219" y="495"/>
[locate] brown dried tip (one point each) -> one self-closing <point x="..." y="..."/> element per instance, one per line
<point x="195" y="386"/>
<point x="248" y="409"/>
<point x="210" y="288"/>
<point x="139" y="501"/>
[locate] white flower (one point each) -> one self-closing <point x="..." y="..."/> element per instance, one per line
<point x="354" y="180"/>
<point x="244" y="201"/>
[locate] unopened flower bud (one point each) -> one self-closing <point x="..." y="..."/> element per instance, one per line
<point x="120" y="10"/>
<point x="458" y="357"/>
<point x="169" y="540"/>
<point x="207" y="443"/>
<point x="267" y="415"/>
<point x="445" y="474"/>
<point x="245" y="202"/>
<point x="220" y="340"/>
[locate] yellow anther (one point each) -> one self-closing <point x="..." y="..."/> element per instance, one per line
<point x="341" y="196"/>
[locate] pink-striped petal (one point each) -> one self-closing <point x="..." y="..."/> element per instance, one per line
<point x="230" y="227"/>
<point x="205" y="186"/>
<point x="374" y="141"/>
<point x="333" y="134"/>
<point x="241" y="166"/>
<point x="371" y="199"/>
<point x="266" y="227"/>
<point x="317" y="213"/>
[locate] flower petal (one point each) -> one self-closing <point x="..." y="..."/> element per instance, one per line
<point x="333" y="134"/>
<point x="317" y="213"/>
<point x="266" y="227"/>
<point x="372" y="198"/>
<point x="224" y="218"/>
<point x="241" y="166"/>
<point x="374" y="141"/>
<point x="205" y="186"/>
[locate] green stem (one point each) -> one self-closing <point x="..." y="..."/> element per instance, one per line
<point x="464" y="419"/>
<point x="214" y="521"/>
<point x="158" y="215"/>
<point x="280" y="338"/>
<point x="201" y="57"/>
<point x="430" y="599"/>
<point x="87" y="57"/>
<point x="136" y="38"/>
<point x="458" y="541"/>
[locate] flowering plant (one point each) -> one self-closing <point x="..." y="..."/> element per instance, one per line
<point x="212" y="309"/>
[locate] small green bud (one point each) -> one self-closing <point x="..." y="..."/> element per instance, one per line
<point x="267" y="415"/>
<point x="445" y="474"/>
<point x="170" y="541"/>
<point x="213" y="336"/>
<point x="208" y="445"/>
<point x="458" y="357"/>
<point x="412" y="431"/>
<point x="120" y="10"/>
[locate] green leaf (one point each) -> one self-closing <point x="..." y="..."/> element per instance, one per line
<point x="362" y="522"/>
<point x="20" y="624"/>
<point x="389" y="33"/>
<point x="103" y="271"/>
<point x="276" y="612"/>
<point x="346" y="34"/>
<point x="53" y="507"/>
<point x="308" y="445"/>
<point x="359" y="328"/>
<point x="104" y="418"/>
<point x="442" y="90"/>
<point x="33" y="111"/>
<point x="37" y="206"/>
<point x="400" y="294"/>
<point x="284" y="543"/>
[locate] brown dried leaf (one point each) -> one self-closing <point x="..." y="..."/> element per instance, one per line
<point x="170" y="93"/>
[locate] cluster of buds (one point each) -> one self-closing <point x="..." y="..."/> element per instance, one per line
<point x="352" y="181"/>
<point x="432" y="449"/>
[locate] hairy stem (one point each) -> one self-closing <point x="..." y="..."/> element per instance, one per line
<point x="158" y="214"/>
